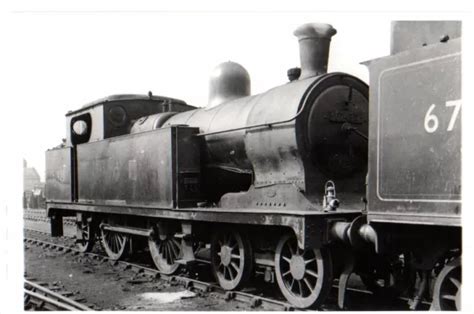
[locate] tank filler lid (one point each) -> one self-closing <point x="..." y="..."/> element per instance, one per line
<point x="229" y="80"/>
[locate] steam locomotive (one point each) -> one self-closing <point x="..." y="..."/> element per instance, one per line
<point x="301" y="184"/>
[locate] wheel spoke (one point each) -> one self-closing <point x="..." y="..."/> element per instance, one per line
<point x="456" y="282"/>
<point x="230" y="273"/>
<point x="115" y="242"/>
<point x="176" y="244"/>
<point x="300" y="288"/>
<point x="312" y="273"/>
<point x="309" y="261"/>
<point x="168" y="253"/>
<point x="449" y="297"/>
<point x="292" y="283"/>
<point x="121" y="241"/>
<point x="308" y="285"/>
<point x="165" y="252"/>
<point x="235" y="256"/>
<point x="286" y="273"/>
<point x="286" y="259"/>
<point x="175" y="253"/>
<point x="235" y="266"/>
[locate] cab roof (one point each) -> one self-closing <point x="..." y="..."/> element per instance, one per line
<point x="124" y="97"/>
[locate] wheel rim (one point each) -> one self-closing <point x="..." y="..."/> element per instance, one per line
<point x="447" y="289"/>
<point x="231" y="259"/>
<point x="165" y="252"/>
<point x="114" y="243"/>
<point x="87" y="242"/>
<point x="304" y="277"/>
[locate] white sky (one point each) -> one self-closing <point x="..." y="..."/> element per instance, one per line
<point x="58" y="55"/>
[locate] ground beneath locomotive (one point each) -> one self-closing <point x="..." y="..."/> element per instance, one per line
<point x="112" y="289"/>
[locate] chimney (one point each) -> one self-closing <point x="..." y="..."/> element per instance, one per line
<point x="314" y="40"/>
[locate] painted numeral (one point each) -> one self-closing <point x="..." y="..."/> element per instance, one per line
<point x="457" y="106"/>
<point x="432" y="121"/>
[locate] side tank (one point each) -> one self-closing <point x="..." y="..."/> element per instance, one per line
<point x="303" y="133"/>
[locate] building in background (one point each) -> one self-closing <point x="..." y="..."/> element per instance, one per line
<point x="33" y="188"/>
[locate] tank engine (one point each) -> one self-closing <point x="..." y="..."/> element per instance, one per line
<point x="252" y="177"/>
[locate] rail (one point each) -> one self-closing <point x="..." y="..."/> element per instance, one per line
<point x="38" y="296"/>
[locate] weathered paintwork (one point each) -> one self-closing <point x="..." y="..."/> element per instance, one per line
<point x="159" y="168"/>
<point x="58" y="174"/>
<point x="415" y="136"/>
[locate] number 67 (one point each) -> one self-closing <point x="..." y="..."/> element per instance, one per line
<point x="432" y="122"/>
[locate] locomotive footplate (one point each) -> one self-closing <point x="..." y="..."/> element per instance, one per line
<point x="312" y="228"/>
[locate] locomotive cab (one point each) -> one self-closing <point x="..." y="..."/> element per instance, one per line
<point x="115" y="115"/>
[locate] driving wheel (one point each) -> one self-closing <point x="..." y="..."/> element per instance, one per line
<point x="304" y="277"/>
<point x="231" y="258"/>
<point x="115" y="244"/>
<point x="447" y="288"/>
<point x="165" y="250"/>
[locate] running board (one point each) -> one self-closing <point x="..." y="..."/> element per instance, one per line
<point x="128" y="230"/>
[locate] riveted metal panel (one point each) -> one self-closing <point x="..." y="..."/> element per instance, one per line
<point x="273" y="151"/>
<point x="138" y="169"/>
<point x="58" y="174"/>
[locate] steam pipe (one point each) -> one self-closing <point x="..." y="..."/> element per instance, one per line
<point x="368" y="233"/>
<point x="354" y="233"/>
<point x="340" y="231"/>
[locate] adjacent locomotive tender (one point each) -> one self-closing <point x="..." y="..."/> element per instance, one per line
<point x="307" y="182"/>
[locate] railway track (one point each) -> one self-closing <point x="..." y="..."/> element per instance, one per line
<point x="38" y="297"/>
